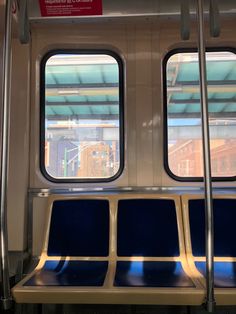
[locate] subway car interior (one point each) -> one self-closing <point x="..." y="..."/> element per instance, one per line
<point x="118" y="156"/>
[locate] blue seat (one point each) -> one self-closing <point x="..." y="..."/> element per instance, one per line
<point x="224" y="238"/>
<point x="225" y="273"/>
<point x="151" y="274"/>
<point x="148" y="228"/>
<point x="88" y="260"/>
<point x="77" y="228"/>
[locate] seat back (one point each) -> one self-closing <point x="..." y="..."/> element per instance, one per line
<point x="224" y="210"/>
<point x="147" y="227"/>
<point x="79" y="227"/>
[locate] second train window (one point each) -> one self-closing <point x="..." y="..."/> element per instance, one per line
<point x="183" y="114"/>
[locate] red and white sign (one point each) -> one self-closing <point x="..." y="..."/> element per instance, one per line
<point x="70" y="7"/>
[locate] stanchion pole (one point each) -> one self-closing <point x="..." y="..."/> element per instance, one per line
<point x="6" y="299"/>
<point x="209" y="228"/>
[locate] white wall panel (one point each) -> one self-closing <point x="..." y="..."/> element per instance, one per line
<point x="84" y="36"/>
<point x="19" y="146"/>
<point x="131" y="147"/>
<point x="144" y="104"/>
<point x="157" y="101"/>
<point x="39" y="220"/>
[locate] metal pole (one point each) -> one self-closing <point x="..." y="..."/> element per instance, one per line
<point x="209" y="230"/>
<point x="185" y="20"/>
<point x="6" y="292"/>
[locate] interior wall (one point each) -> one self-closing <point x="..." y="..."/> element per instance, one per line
<point x="19" y="144"/>
<point x="19" y="147"/>
<point x="142" y="43"/>
<point x="137" y="42"/>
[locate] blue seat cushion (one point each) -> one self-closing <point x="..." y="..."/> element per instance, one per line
<point x="151" y="274"/>
<point x="225" y="273"/>
<point x="224" y="226"/>
<point x="79" y="228"/>
<point x="70" y="273"/>
<point x="147" y="227"/>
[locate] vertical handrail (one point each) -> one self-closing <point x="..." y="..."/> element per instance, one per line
<point x="24" y="32"/>
<point x="209" y="228"/>
<point x="185" y="20"/>
<point x="214" y="18"/>
<point x="6" y="292"/>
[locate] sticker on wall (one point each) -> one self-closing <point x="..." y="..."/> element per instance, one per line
<point x="70" y="7"/>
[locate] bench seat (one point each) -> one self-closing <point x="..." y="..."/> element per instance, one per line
<point x="113" y="249"/>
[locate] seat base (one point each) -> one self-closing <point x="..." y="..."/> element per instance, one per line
<point x="55" y="283"/>
<point x="101" y="295"/>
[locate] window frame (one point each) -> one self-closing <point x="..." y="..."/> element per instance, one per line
<point x="120" y="64"/>
<point x="167" y="56"/>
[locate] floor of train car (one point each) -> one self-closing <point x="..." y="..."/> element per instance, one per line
<point x="114" y="309"/>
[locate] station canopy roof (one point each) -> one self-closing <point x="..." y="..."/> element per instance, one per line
<point x="87" y="86"/>
<point x="82" y="87"/>
<point x="183" y="94"/>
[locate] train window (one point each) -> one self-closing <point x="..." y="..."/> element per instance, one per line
<point x="81" y="116"/>
<point x="183" y="118"/>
